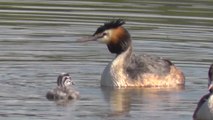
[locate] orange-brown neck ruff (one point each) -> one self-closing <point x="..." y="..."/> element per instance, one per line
<point x="120" y="40"/>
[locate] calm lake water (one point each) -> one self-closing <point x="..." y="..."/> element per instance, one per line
<point x="38" y="41"/>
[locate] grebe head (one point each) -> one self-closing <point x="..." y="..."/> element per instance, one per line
<point x="64" y="80"/>
<point x="116" y="37"/>
<point x="210" y="83"/>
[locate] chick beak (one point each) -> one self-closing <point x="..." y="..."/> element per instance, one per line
<point x="90" y="38"/>
<point x="73" y="83"/>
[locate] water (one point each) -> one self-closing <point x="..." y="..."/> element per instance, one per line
<point x="37" y="42"/>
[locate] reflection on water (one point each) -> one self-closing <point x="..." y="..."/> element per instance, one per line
<point x="119" y="100"/>
<point x="63" y="102"/>
<point x="149" y="99"/>
<point x="37" y="42"/>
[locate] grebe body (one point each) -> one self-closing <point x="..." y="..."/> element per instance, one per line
<point x="204" y="110"/>
<point x="128" y="69"/>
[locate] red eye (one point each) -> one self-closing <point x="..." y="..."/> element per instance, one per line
<point x="65" y="78"/>
<point x="104" y="34"/>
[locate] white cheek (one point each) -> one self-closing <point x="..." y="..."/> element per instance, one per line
<point x="67" y="83"/>
<point x="105" y="39"/>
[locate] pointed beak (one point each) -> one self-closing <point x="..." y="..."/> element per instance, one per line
<point x="211" y="87"/>
<point x="73" y="83"/>
<point x="90" y="38"/>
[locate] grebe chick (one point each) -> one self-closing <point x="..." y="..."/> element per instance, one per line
<point x="204" y="110"/>
<point x="128" y="69"/>
<point x="64" y="90"/>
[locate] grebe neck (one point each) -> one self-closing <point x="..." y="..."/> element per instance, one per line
<point x="120" y="42"/>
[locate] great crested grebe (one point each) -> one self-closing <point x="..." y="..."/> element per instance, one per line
<point x="64" y="90"/>
<point x="204" y="110"/>
<point x="128" y="69"/>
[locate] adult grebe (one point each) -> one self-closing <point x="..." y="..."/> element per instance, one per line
<point x="204" y="110"/>
<point x="127" y="69"/>
<point x="64" y="90"/>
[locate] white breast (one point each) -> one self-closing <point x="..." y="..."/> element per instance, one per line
<point x="106" y="77"/>
<point x="206" y="110"/>
<point x="113" y="74"/>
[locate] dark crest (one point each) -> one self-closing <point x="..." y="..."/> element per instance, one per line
<point x="110" y="25"/>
